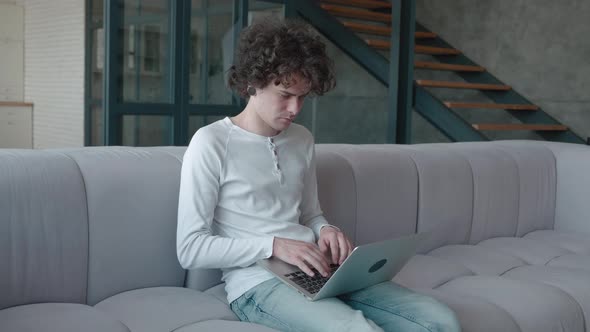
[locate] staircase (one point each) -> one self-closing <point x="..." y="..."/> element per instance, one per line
<point x="438" y="100"/>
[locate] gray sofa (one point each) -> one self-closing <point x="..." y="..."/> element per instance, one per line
<point x="87" y="236"/>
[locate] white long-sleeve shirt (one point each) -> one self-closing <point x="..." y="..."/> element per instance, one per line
<point x="238" y="190"/>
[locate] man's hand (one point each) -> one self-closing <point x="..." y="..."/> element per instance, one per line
<point x="302" y="254"/>
<point x="334" y="241"/>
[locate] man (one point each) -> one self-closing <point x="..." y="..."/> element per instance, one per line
<point x="248" y="191"/>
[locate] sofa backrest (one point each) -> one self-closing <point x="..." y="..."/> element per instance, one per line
<point x="505" y="190"/>
<point x="80" y="225"/>
<point x="460" y="192"/>
<point x="369" y="192"/>
<point x="132" y="198"/>
<point x="43" y="229"/>
<point x="572" y="208"/>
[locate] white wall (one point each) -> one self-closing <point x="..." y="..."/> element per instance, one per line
<point x="11" y="52"/>
<point x="54" y="70"/>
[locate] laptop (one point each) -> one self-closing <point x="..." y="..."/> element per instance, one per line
<point x="366" y="266"/>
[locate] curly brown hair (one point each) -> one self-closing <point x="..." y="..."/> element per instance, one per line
<point x="274" y="50"/>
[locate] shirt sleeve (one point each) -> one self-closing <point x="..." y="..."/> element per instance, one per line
<point x="311" y="213"/>
<point x="196" y="246"/>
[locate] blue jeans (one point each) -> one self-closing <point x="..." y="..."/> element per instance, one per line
<point x="383" y="307"/>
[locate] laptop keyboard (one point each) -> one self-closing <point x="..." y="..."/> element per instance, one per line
<point x="310" y="284"/>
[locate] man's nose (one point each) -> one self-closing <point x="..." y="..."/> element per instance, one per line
<point x="295" y="106"/>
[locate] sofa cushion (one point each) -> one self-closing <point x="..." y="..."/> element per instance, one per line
<point x="572" y="261"/>
<point x="337" y="190"/>
<point x="417" y="273"/>
<point x="534" y="306"/>
<point x="164" y="308"/>
<point x="386" y="187"/>
<point x="218" y="292"/>
<point x="529" y="250"/>
<point x="496" y="189"/>
<point x="58" y="317"/>
<point x="480" y="260"/>
<point x="43" y="229"/>
<point x="132" y="206"/>
<point x="448" y="216"/>
<point x="223" y="326"/>
<point x="571" y="205"/>
<point x="574" y="242"/>
<point x="537" y="180"/>
<point x="474" y="313"/>
<point x="572" y="281"/>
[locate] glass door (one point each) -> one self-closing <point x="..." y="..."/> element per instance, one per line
<point x="165" y="65"/>
<point x="213" y="29"/>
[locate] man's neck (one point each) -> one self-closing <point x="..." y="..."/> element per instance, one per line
<point x="249" y="120"/>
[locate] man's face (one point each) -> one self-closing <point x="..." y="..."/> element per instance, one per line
<point x="277" y="105"/>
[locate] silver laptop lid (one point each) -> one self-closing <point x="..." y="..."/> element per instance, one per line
<point x="367" y="265"/>
<point x="371" y="264"/>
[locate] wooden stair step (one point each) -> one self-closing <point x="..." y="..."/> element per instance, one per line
<point x="462" y="85"/>
<point x="518" y="126"/>
<point x="356" y="13"/>
<point x="447" y="66"/>
<point x="378" y="43"/>
<point x="367" y="28"/>
<point x="421" y="49"/>
<point x="380" y="30"/>
<point x="383" y="44"/>
<point x="514" y="107"/>
<point x="424" y="35"/>
<point x="369" y="4"/>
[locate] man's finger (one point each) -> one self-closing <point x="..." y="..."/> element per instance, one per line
<point x="350" y="247"/>
<point x="346" y="248"/>
<point x="343" y="248"/>
<point x="318" y="263"/>
<point x="323" y="247"/>
<point x="315" y="257"/>
<point x="303" y="267"/>
<point x="334" y="250"/>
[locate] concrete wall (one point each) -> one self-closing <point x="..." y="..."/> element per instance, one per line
<point x="539" y="47"/>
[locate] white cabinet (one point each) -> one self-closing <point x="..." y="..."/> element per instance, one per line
<point x="16" y="125"/>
